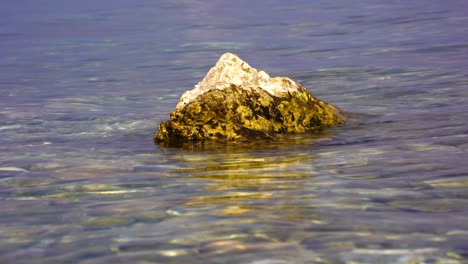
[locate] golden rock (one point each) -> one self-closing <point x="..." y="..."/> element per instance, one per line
<point x="235" y="102"/>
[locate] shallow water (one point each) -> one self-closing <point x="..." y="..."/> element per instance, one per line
<point x="84" y="85"/>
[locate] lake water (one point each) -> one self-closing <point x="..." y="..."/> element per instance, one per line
<point x="84" y="85"/>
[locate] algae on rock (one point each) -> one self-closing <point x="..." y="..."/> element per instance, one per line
<point x="235" y="102"/>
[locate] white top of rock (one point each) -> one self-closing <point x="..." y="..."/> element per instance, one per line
<point x="230" y="69"/>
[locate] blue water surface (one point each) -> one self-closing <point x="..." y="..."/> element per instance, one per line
<point x="84" y="84"/>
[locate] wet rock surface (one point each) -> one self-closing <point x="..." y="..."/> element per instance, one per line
<point x="235" y="102"/>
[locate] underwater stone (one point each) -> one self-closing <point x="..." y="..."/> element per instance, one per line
<point x="235" y="102"/>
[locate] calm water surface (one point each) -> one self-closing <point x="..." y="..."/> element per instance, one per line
<point x="85" y="83"/>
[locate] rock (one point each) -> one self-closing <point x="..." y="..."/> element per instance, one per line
<point x="235" y="102"/>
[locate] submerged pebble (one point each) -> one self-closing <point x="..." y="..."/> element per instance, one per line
<point x="15" y="169"/>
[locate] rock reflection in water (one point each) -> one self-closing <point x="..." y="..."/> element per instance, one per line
<point x="243" y="180"/>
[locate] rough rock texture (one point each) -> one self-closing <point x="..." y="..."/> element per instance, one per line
<point x="237" y="102"/>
